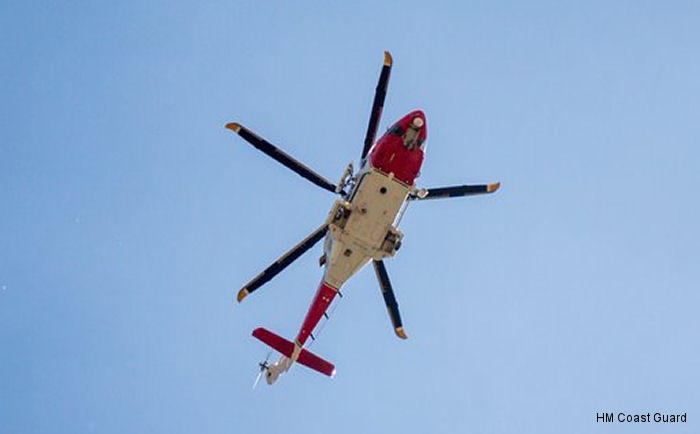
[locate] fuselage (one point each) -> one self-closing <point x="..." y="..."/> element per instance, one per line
<point x="363" y="225"/>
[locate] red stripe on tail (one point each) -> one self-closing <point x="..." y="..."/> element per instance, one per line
<point x="323" y="298"/>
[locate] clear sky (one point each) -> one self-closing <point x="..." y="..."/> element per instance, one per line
<point x="130" y="217"/>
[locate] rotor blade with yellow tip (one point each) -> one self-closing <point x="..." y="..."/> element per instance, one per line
<point x="281" y="156"/>
<point x="389" y="299"/>
<point x="283" y="262"/>
<point x="377" y="104"/>
<point x="456" y="191"/>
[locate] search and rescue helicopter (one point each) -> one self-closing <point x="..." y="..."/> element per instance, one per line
<point x="361" y="226"/>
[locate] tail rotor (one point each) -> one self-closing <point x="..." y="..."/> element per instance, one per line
<point x="264" y="366"/>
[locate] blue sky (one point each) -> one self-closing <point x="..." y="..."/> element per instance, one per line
<point x="131" y="217"/>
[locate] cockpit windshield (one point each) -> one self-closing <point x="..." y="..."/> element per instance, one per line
<point x="396" y="130"/>
<point x="410" y="137"/>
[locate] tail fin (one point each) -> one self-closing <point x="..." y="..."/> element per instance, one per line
<point x="306" y="358"/>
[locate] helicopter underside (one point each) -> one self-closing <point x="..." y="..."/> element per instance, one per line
<point x="363" y="227"/>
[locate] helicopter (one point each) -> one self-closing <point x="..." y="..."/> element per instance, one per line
<point x="361" y="227"/>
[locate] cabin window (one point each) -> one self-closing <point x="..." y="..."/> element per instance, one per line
<point x="410" y="139"/>
<point x="396" y="130"/>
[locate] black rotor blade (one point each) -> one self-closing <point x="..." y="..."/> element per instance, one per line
<point x="281" y="156"/>
<point x="456" y="191"/>
<point x="391" y="305"/>
<point x="282" y="263"/>
<point x="378" y="104"/>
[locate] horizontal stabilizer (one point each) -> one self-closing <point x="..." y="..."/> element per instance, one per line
<point x="311" y="360"/>
<point x="277" y="342"/>
<point x="286" y="348"/>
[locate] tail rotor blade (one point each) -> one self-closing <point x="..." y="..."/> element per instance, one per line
<point x="257" y="379"/>
<point x="281" y="156"/>
<point x="263" y="368"/>
<point x="389" y="299"/>
<point x="378" y="104"/>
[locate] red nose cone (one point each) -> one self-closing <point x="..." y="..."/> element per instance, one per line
<point x="400" y="150"/>
<point x="415" y="119"/>
<point x="418" y="120"/>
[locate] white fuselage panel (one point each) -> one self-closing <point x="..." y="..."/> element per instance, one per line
<point x="362" y="227"/>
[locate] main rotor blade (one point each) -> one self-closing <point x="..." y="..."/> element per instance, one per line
<point x="391" y="305"/>
<point x="455" y="191"/>
<point x="282" y="263"/>
<point x="378" y="104"/>
<point x="281" y="156"/>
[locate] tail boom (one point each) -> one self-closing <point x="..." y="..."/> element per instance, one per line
<point x="323" y="298"/>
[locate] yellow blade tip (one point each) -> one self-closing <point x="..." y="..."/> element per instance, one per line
<point x="400" y="333"/>
<point x="235" y="127"/>
<point x="387" y="59"/>
<point x="493" y="187"/>
<point x="242" y="294"/>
